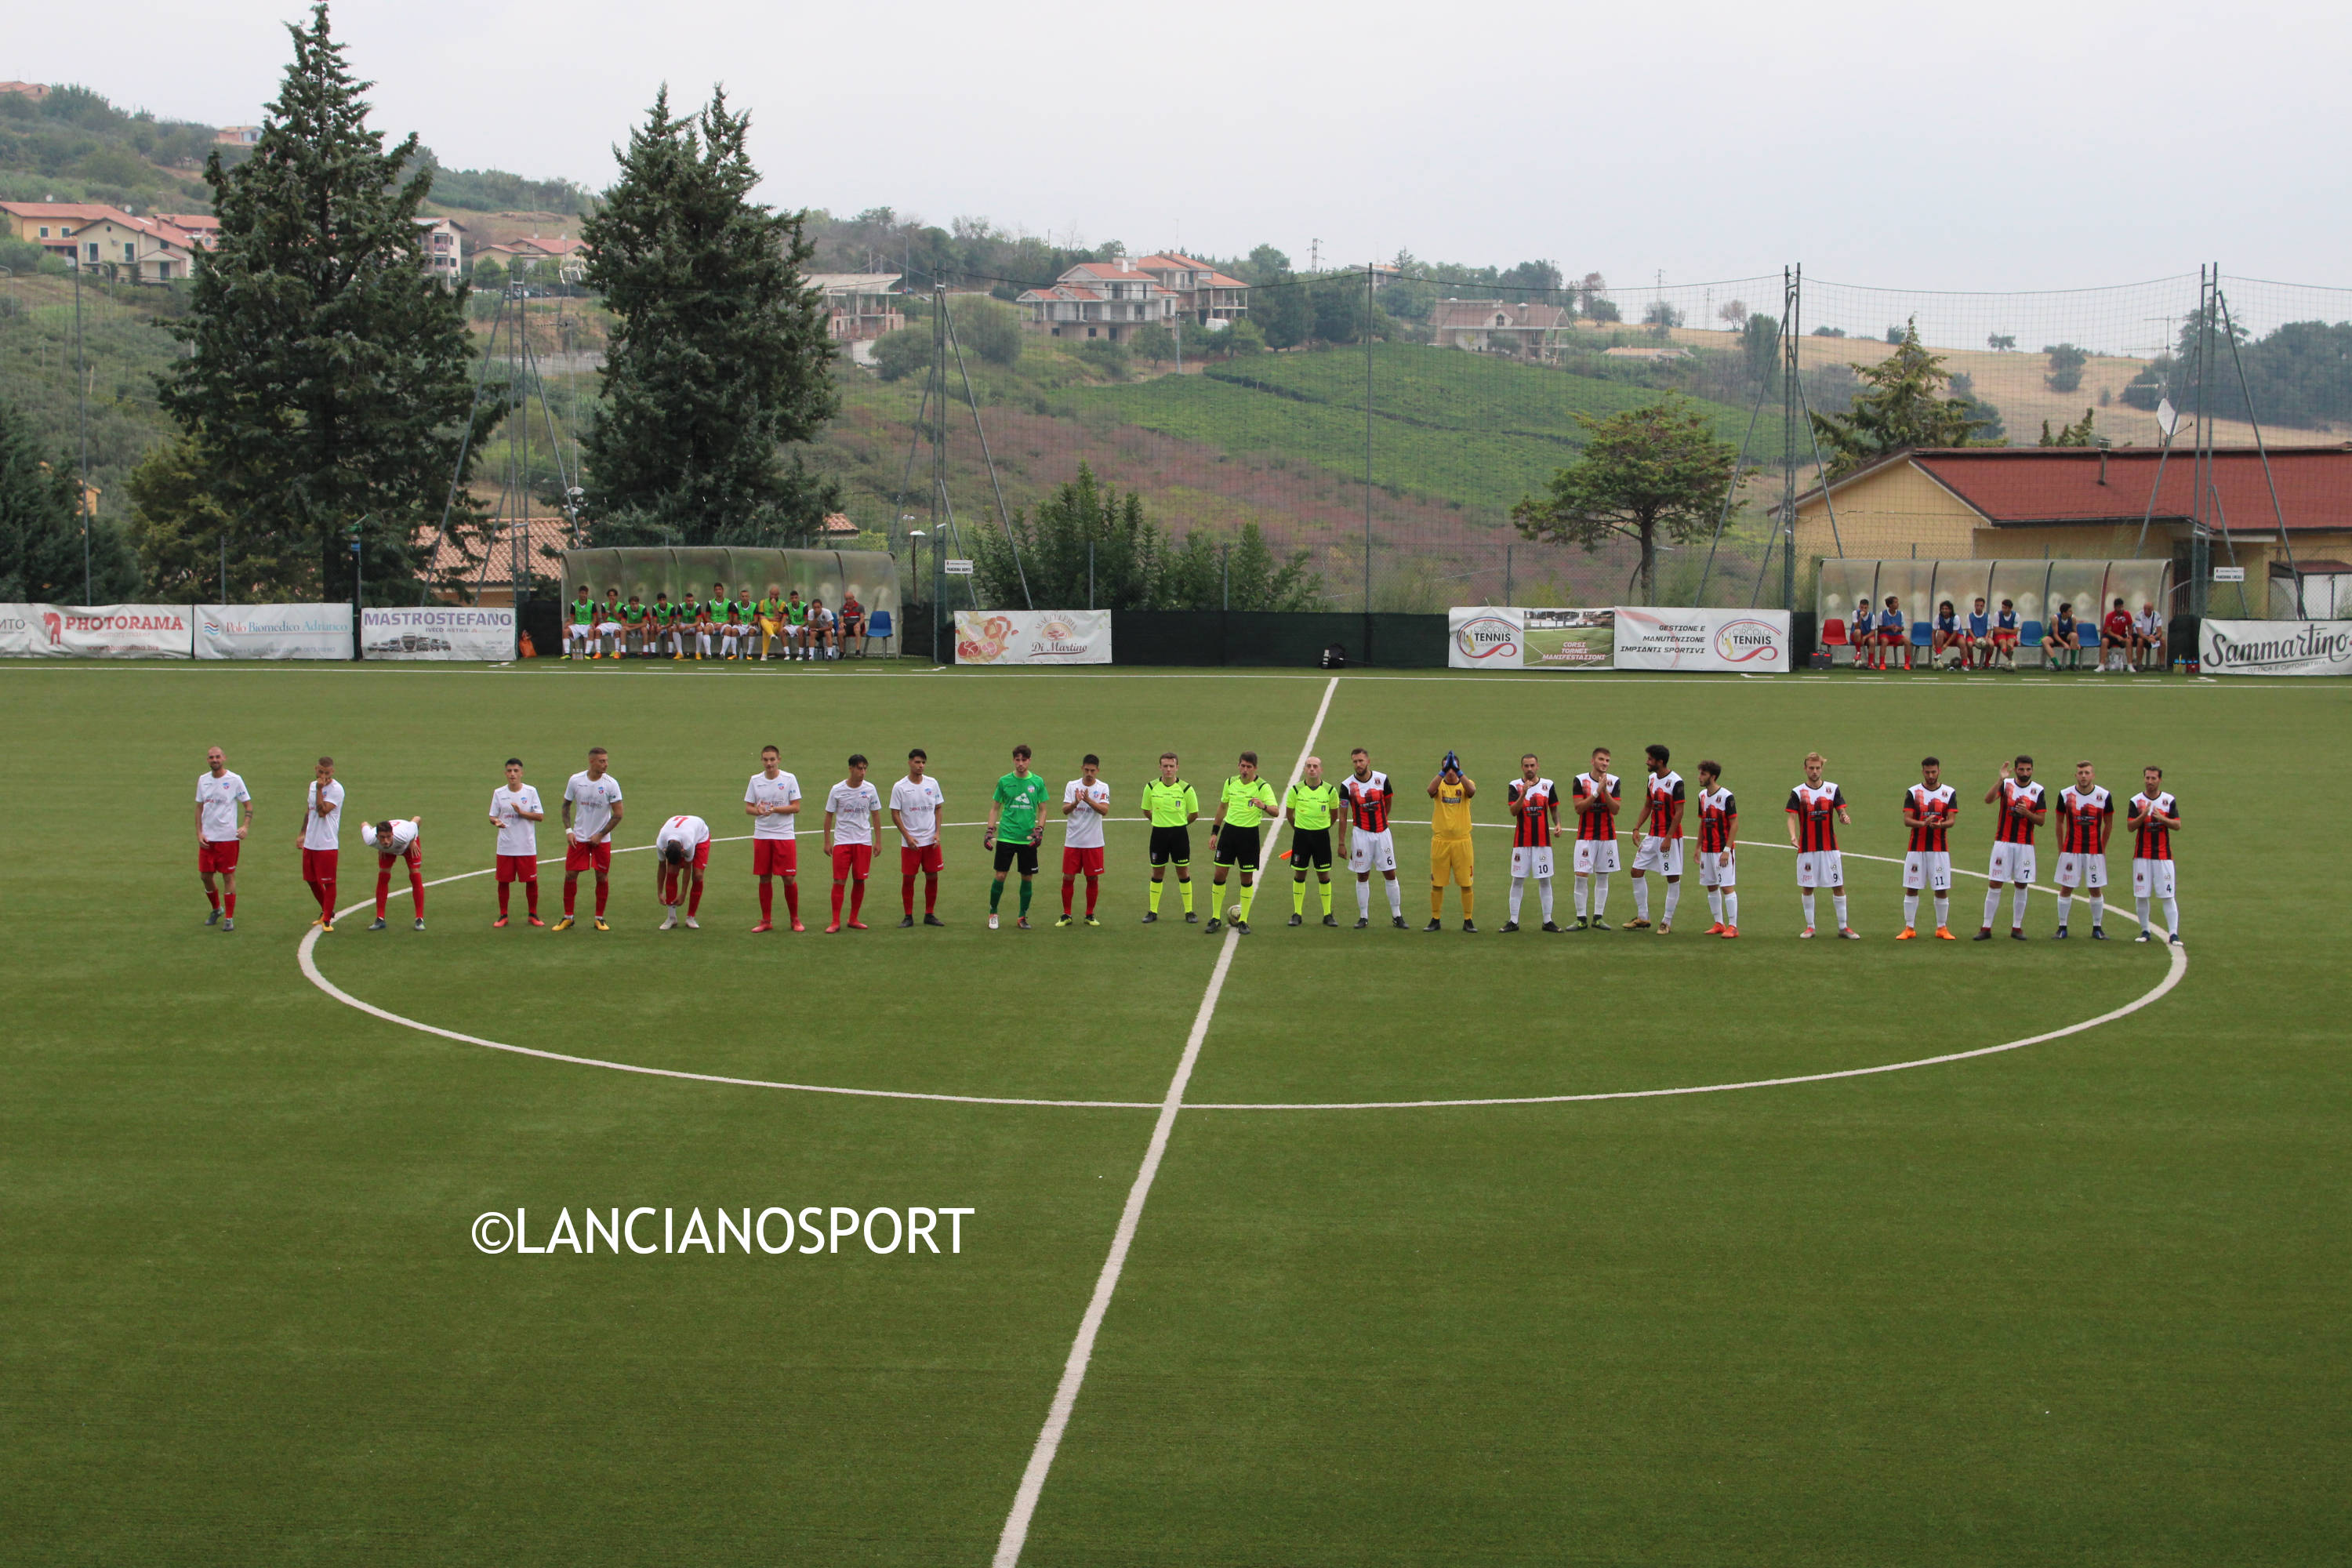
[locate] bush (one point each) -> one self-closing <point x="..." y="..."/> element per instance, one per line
<point x="2067" y="363"/>
<point x="987" y="329"/>
<point x="1105" y="358"/>
<point x="903" y="353"/>
<point x="1243" y="338"/>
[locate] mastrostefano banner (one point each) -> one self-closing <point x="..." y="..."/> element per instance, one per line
<point x="95" y="631"/>
<point x="438" y="631"/>
<point x="1752" y="642"/>
<point x="2275" y="647"/>
<point x="273" y="631"/>
<point x="1033" y="636"/>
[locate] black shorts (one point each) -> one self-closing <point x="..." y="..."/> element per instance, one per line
<point x="1310" y="847"/>
<point x="1008" y="853"/>
<point x="1236" y="846"/>
<point x="1172" y="845"/>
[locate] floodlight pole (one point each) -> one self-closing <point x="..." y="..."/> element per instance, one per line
<point x="81" y="414"/>
<point x="2201" y="543"/>
<point x="1792" y="287"/>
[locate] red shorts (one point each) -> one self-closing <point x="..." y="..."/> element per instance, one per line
<point x="852" y="860"/>
<point x="413" y="855"/>
<point x="518" y="868"/>
<point x="700" y="861"/>
<point x="219" y="853"/>
<point x="579" y="857"/>
<point x="2001" y="637"/>
<point x="914" y="857"/>
<point x="318" y="865"/>
<point x="1082" y="862"/>
<point x="775" y="856"/>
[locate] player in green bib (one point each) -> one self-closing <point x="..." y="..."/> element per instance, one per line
<point x="1013" y="814"/>
<point x="1310" y="807"/>
<point x="1173" y="806"/>
<point x="1243" y="807"/>
<point x="796" y="627"/>
<point x="581" y="635"/>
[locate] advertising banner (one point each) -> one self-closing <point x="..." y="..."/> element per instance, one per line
<point x="95" y="631"/>
<point x="1486" y="638"/>
<point x="1033" y="636"/>
<point x="1750" y="642"/>
<point x="438" y="631"/>
<point x="2275" y="647"/>
<point x="273" y="631"/>
<point x="1510" y="636"/>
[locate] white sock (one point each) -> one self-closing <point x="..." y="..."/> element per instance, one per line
<point x="2066" y="902"/>
<point x="1992" y="904"/>
<point x="2141" y="904"/>
<point x="1673" y="897"/>
<point x="1363" y="899"/>
<point x="1519" y="891"/>
<point x="1583" y="896"/>
<point x="1731" y="908"/>
<point x="2017" y="907"/>
<point x="1543" y="895"/>
<point x="1600" y="893"/>
<point x="1805" y="896"/>
<point x="2171" y="917"/>
<point x="1837" y="902"/>
<point x="1943" y="910"/>
<point x="1396" y="897"/>
<point x="2098" y="909"/>
<point x="1642" y="896"/>
<point x="1715" y="905"/>
<point x="1910" y="908"/>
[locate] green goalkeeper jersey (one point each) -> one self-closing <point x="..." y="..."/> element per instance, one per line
<point x="1313" y="806"/>
<point x="1019" y="800"/>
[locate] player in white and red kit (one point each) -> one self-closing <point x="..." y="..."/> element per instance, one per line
<point x="1928" y="808"/>
<point x="1661" y="849"/>
<point x="516" y="812"/>
<point x="850" y="808"/>
<point x="1595" y="796"/>
<point x="915" y="803"/>
<point x="772" y="800"/>
<point x="1533" y="802"/>
<point x="2155" y="818"/>
<point x="1370" y="799"/>
<point x="2020" y="809"/>
<point x="320" y="839"/>
<point x="681" y="855"/>
<point x="396" y="840"/>
<point x="2086" y="814"/>
<point x="1719" y="840"/>
<point x="1815" y="808"/>
<point x="592" y="809"/>
<point x="223" y="812"/>
<point x="1085" y="802"/>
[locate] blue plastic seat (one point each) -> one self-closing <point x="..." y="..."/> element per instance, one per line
<point x="877" y="624"/>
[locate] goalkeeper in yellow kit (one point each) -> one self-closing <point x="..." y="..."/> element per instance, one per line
<point x="1450" y="858"/>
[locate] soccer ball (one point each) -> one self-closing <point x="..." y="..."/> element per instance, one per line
<point x="1233" y="913"/>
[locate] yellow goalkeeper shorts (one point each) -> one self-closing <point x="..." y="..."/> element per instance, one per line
<point x="1449" y="859"/>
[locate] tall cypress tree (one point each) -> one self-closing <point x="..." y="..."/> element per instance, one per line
<point x="329" y="375"/>
<point x="721" y="356"/>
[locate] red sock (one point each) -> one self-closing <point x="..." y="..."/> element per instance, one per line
<point x="930" y="891"/>
<point x="1094" y="885"/>
<point x="907" y="893"/>
<point x="856" y="899"/>
<point x="694" y="900"/>
<point x="570" y="891"/>
<point x="530" y="897"/>
<point x="1069" y="885"/>
<point x="213" y="894"/>
<point x="793" y="896"/>
<point x="383" y="891"/>
<point x="326" y="903"/>
<point x="767" y="900"/>
<point x="231" y="902"/>
<point x="599" y="897"/>
<point x="504" y="888"/>
<point x="417" y="886"/>
<point x="836" y="903"/>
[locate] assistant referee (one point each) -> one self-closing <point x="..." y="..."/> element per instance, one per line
<point x="1173" y="807"/>
<point x="1310" y="807"/>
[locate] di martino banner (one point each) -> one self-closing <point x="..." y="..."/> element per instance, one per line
<point x="2275" y="647"/>
<point x="1750" y="642"/>
<point x="1510" y="636"/>
<point x="273" y="631"/>
<point x="96" y="631"/>
<point x="438" y="631"/>
<point x="1033" y="636"/>
<point x="1485" y="636"/>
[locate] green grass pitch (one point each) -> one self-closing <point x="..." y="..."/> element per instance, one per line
<point x="2081" y="1302"/>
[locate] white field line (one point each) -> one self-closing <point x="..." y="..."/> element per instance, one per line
<point x="1082" y="1348"/>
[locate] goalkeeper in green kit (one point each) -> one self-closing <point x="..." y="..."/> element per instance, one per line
<point x="1013" y="830"/>
<point x="1310" y="807"/>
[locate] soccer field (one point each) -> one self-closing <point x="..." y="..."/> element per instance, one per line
<point x="2082" y="1300"/>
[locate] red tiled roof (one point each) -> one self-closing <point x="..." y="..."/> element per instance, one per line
<point x="2021" y="486"/>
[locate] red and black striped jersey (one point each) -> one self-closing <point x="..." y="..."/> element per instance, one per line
<point x="1815" y="809"/>
<point x="1370" y="800"/>
<point x="2017" y="803"/>
<point x="2152" y="840"/>
<point x="1931" y="833"/>
<point x="1718" y="817"/>
<point x="1666" y="806"/>
<point x="2084" y="819"/>
<point x="1604" y="793"/>
<point x="1533" y="825"/>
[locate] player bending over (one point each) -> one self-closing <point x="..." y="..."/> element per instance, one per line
<point x="2155" y="818"/>
<point x="850" y="808"/>
<point x="681" y="854"/>
<point x="1367" y="844"/>
<point x="1085" y="802"/>
<point x="1173" y="806"/>
<point x="1534" y="802"/>
<point x="1718" y="847"/>
<point x="1595" y="796"/>
<point x="320" y="840"/>
<point x="224" y="813"/>
<point x="1242" y="807"/>
<point x="1012" y="833"/>
<point x="592" y="809"/>
<point x="1451" y="854"/>
<point x="1928" y="808"/>
<point x="1308" y="808"/>
<point x="516" y="812"/>
<point x="1815" y="808"/>
<point x="2086" y="816"/>
<point x="2019" y="810"/>
<point x="772" y="800"/>
<point x="395" y="841"/>
<point x="1661" y="849"/>
<point x="915" y="803"/>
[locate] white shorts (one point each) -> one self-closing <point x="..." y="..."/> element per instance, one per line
<point x="1664" y="856"/>
<point x="1595" y="854"/>
<point x="1531" y="861"/>
<point x="1369" y="852"/>
<point x="2011" y="863"/>
<point x="578" y="632"/>
<point x="608" y="628"/>
<point x="1820" y="869"/>
<point x="1716" y="868"/>
<point x="2082" y="870"/>
<point x="730" y="633"/>
<point x="2152" y="880"/>
<point x="1930" y="868"/>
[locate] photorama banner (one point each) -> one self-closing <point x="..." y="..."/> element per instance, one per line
<point x="1033" y="636"/>
<point x="1510" y="636"/>
<point x="273" y="631"/>
<point x="96" y="631"/>
<point x="1750" y="642"/>
<point x="2275" y="647"/>
<point x="438" y="631"/>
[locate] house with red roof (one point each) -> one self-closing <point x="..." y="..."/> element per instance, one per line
<point x="1204" y="296"/>
<point x="1104" y="301"/>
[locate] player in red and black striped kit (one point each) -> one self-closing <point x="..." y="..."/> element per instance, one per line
<point x="1595" y="796"/>
<point x="1534" y="801"/>
<point x="2086" y="814"/>
<point x="1815" y="808"/>
<point x="2021" y="809"/>
<point x="2155" y="818"/>
<point x="1928" y="808"/>
<point x="1718" y="829"/>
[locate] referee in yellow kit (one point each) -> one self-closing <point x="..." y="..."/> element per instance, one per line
<point x="1450" y="793"/>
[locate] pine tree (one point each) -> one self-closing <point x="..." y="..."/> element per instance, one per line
<point x="41" y="528"/>
<point x="329" y="375"/>
<point x="1901" y="405"/>
<point x="721" y="356"/>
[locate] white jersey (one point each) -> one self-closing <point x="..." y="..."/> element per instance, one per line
<point x="592" y="804"/>
<point x="517" y="834"/>
<point x="321" y="830"/>
<point x="690" y="831"/>
<point x="1082" y="828"/>
<point x="782" y="790"/>
<point x="917" y="804"/>
<point x="404" y="835"/>
<point x="852" y="808"/>
<point x="220" y="797"/>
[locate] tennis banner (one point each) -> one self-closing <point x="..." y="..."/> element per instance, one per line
<point x="1512" y="637"/>
<point x="273" y="631"/>
<point x="1033" y="636"/>
<point x="438" y="631"/>
<point x="2275" y="647"/>
<point x="95" y="631"/>
<point x="1750" y="642"/>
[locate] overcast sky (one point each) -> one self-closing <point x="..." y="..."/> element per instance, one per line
<point x="2002" y="145"/>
